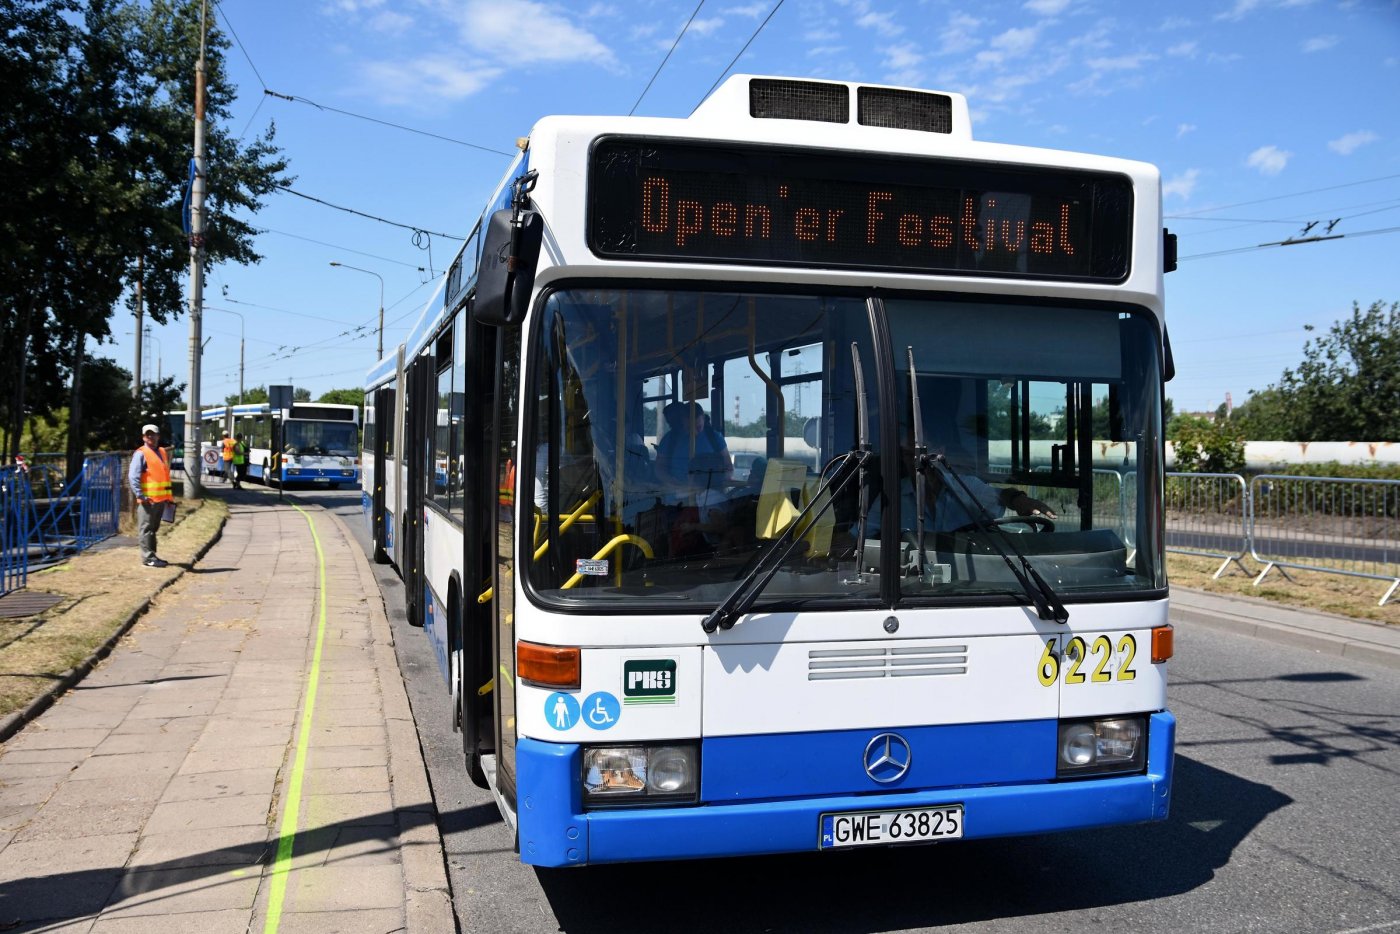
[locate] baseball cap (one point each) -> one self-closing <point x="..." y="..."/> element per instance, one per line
<point x="149" y="428"/>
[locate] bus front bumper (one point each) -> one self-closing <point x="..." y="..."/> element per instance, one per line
<point x="555" y="830"/>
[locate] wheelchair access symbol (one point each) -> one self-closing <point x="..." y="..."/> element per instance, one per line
<point x="601" y="710"/>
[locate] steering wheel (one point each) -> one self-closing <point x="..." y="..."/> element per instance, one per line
<point x="1038" y="523"/>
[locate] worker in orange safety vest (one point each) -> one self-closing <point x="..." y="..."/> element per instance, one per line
<point x="149" y="479"/>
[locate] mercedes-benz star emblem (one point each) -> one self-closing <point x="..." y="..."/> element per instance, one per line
<point x="887" y="758"/>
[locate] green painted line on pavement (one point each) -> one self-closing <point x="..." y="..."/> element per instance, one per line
<point x="288" y="834"/>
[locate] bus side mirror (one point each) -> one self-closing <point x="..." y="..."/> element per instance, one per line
<point x="506" y="274"/>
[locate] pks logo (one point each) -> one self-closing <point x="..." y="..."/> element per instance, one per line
<point x="649" y="681"/>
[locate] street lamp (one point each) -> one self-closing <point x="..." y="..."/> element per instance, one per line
<point x="379" y="353"/>
<point x="229" y="311"/>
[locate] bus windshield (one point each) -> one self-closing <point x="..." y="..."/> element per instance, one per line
<point x="677" y="435"/>
<point x="321" y="439"/>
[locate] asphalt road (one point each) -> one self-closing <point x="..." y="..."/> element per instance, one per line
<point x="1285" y="803"/>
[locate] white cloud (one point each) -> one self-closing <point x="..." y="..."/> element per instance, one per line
<point x="391" y="23"/>
<point x="441" y="77"/>
<point x="1182" y="185"/>
<point x="883" y="23"/>
<point x="703" y="27"/>
<point x="1183" y="128"/>
<point x="752" y="11"/>
<point x="1241" y="9"/>
<point x="1015" y="42"/>
<point x="1121" y="62"/>
<point x="1351" y="142"/>
<point x="1320" y="43"/>
<point x="550" y="35"/>
<point x="1184" y="49"/>
<point x="1269" y="160"/>
<point x="957" y="36"/>
<point x="903" y="57"/>
<point x="1047" y="7"/>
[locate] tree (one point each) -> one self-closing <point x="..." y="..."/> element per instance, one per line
<point x="1204" y="445"/>
<point x="1348" y="386"/>
<point x="96" y="104"/>
<point x="355" y="397"/>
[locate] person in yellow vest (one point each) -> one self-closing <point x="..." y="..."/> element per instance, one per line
<point x="149" y="479"/>
<point x="226" y="447"/>
<point x="240" y="461"/>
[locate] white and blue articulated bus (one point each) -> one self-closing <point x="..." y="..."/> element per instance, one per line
<point x="789" y="477"/>
<point x="317" y="444"/>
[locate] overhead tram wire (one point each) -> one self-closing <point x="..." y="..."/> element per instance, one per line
<point x="345" y="249"/>
<point x="1296" y="194"/>
<point x="397" y="126"/>
<point x="1298" y="242"/>
<point x="775" y="9"/>
<point x="416" y="229"/>
<point x="666" y="59"/>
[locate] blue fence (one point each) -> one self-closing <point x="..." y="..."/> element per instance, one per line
<point x="47" y="516"/>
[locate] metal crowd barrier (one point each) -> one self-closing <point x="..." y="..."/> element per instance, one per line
<point x="1336" y="526"/>
<point x="45" y="518"/>
<point x="1207" y="514"/>
<point x="16" y="511"/>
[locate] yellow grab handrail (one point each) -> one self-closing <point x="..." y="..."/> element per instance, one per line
<point x="579" y="514"/>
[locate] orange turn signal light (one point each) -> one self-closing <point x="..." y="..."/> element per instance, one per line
<point x="549" y="666"/>
<point x="1162" y="643"/>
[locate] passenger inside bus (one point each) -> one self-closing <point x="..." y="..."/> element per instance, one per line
<point x="692" y="457"/>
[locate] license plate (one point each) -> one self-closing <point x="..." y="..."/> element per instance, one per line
<point x="883" y="828"/>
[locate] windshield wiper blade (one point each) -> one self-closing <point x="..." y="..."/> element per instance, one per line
<point x="1048" y="605"/>
<point x="747" y="590"/>
<point x="852" y="464"/>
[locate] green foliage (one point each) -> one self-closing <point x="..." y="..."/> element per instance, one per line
<point x="1346" y="389"/>
<point x="355" y="397"/>
<point x="95" y="144"/>
<point x="112" y="417"/>
<point x="1206" y="446"/>
<point x="1373" y="471"/>
<point x="258" y="395"/>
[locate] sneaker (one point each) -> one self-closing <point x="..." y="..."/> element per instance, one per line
<point x="156" y="563"/>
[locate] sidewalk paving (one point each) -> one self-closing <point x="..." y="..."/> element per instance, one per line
<point x="154" y="795"/>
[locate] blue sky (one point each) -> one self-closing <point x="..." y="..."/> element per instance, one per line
<point x="1263" y="115"/>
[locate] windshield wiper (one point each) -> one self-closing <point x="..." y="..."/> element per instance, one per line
<point x="1048" y="605"/>
<point x="752" y="584"/>
<point x="849" y="465"/>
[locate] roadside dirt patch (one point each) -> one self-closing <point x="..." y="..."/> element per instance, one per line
<point x="1311" y="590"/>
<point x="98" y="591"/>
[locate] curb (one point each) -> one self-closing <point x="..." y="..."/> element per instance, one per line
<point x="16" y="721"/>
<point x="1322" y="642"/>
<point x="428" y="894"/>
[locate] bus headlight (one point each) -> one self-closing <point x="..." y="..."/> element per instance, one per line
<point x="640" y="775"/>
<point x="1097" y="747"/>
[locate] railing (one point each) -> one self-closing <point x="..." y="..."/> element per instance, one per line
<point x="1323" y="524"/>
<point x="1208" y="515"/>
<point x="46" y="519"/>
<point x="16" y="510"/>
<point x="1336" y="526"/>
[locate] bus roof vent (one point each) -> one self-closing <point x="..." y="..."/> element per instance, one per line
<point x="774" y="99"/>
<point x="904" y="110"/>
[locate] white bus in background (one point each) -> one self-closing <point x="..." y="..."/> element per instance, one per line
<point x="793" y="656"/>
<point x="319" y="442"/>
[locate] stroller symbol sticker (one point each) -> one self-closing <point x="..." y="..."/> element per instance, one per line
<point x="601" y="710"/>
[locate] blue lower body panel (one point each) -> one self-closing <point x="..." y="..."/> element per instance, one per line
<point x="556" y="831"/>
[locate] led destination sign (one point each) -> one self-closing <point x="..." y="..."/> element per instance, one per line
<point x="697" y="203"/>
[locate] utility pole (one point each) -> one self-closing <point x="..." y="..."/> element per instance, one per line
<point x="136" y="380"/>
<point x="379" y="350"/>
<point x="192" y="419"/>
